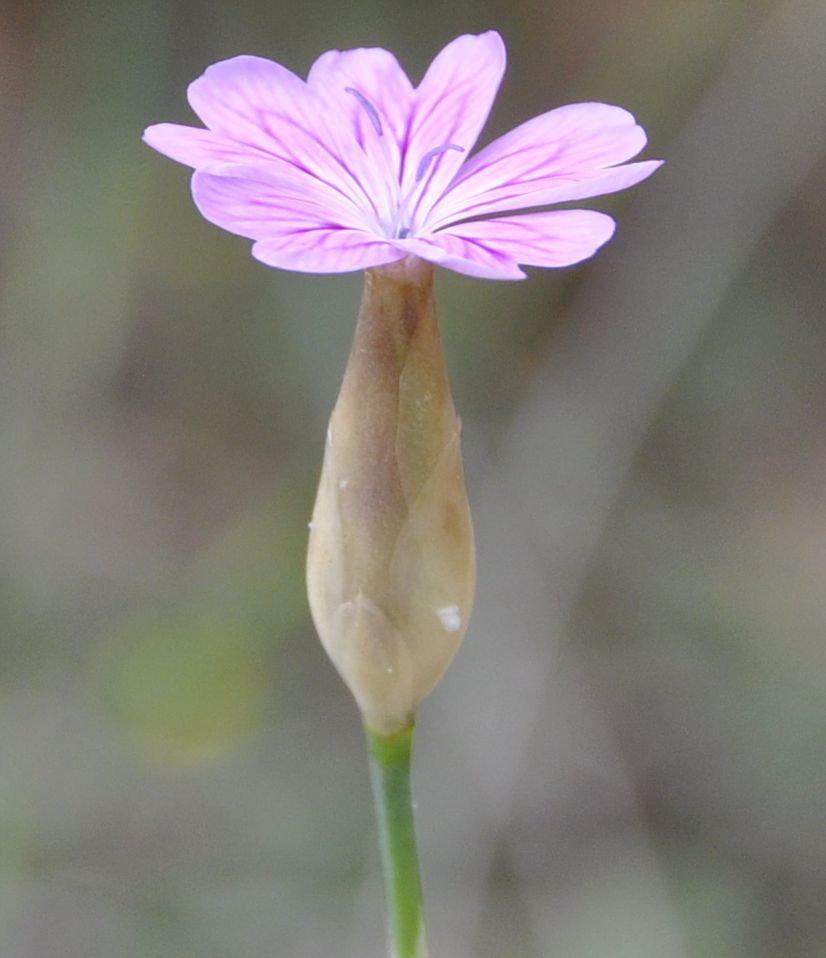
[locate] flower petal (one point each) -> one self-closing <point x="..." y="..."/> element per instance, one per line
<point x="547" y="156"/>
<point x="194" y="146"/>
<point x="265" y="106"/>
<point x="376" y="75"/>
<point x="463" y="255"/>
<point x="253" y="202"/>
<point x="556" y="238"/>
<point x="451" y="106"/>
<point x="292" y="228"/>
<point x="325" y="250"/>
<point x="240" y="98"/>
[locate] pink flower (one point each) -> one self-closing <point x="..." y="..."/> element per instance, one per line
<point x="356" y="167"/>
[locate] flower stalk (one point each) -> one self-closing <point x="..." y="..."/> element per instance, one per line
<point x="390" y="761"/>
<point x="391" y="563"/>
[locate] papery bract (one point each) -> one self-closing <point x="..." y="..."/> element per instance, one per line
<point x="391" y="564"/>
<point x="356" y="167"/>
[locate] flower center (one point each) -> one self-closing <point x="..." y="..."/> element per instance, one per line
<point x="401" y="226"/>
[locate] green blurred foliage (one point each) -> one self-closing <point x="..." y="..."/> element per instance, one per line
<point x="186" y="689"/>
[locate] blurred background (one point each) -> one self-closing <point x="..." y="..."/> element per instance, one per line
<point x="626" y="759"/>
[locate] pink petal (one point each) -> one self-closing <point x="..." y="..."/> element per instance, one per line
<point x="240" y="97"/>
<point x="556" y="238"/>
<point x="463" y="255"/>
<point x="253" y="202"/>
<point x="325" y="250"/>
<point x="451" y="106"/>
<point x="202" y="148"/>
<point x="551" y="155"/>
<point x="194" y="146"/>
<point x="377" y="76"/>
<point x="599" y="183"/>
<point x="577" y="136"/>
<point x="261" y="104"/>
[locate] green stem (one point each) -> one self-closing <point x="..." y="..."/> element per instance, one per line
<point x="390" y="777"/>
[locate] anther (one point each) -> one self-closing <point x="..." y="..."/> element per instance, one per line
<point x="428" y="158"/>
<point x="369" y="109"/>
<point x="404" y="232"/>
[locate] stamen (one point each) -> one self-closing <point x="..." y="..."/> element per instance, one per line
<point x="428" y="158"/>
<point x="404" y="232"/>
<point x="369" y="109"/>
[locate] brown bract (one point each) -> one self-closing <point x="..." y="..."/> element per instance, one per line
<point x="391" y="565"/>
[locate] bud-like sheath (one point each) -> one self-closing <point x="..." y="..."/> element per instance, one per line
<point x="391" y="564"/>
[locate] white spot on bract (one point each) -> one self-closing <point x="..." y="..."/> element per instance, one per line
<point x="309" y="525"/>
<point x="450" y="618"/>
<point x="343" y="483"/>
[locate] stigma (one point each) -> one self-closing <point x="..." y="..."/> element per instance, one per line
<point x="431" y="155"/>
<point x="369" y="109"/>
